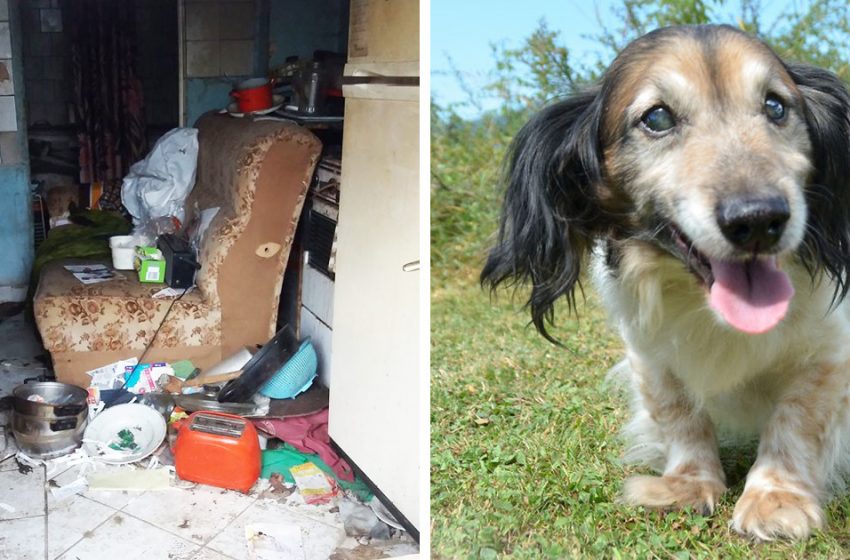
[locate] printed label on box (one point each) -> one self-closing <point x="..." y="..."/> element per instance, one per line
<point x="152" y="274"/>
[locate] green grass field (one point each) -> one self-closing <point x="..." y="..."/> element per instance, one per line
<point x="525" y="453"/>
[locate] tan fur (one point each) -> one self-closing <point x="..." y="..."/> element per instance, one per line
<point x="777" y="513"/>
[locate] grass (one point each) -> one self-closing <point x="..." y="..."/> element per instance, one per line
<point x="525" y="455"/>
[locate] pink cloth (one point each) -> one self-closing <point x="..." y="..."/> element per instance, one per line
<point x="308" y="434"/>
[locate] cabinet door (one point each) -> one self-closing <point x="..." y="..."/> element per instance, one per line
<point x="381" y="31"/>
<point x="374" y="392"/>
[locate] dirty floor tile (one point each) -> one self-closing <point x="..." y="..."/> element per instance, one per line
<point x="21" y="495"/>
<point x="207" y="554"/>
<point x="318" y="539"/>
<point x="197" y="515"/>
<point x="126" y="538"/>
<point x="116" y="499"/>
<point x="22" y="539"/>
<point x="72" y="519"/>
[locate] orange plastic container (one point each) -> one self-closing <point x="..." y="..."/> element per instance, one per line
<point x="218" y="449"/>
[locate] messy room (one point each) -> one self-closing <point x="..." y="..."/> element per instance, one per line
<point x="209" y="283"/>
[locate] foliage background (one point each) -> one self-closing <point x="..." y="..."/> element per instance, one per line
<point x="525" y="455"/>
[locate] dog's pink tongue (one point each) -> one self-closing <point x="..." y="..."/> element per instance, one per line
<point x="752" y="296"/>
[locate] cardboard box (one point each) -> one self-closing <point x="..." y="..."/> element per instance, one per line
<point x="150" y="265"/>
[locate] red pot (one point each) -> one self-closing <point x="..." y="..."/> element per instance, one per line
<point x="253" y="95"/>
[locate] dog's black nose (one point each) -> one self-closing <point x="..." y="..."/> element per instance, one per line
<point x="753" y="224"/>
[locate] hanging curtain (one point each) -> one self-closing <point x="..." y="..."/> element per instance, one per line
<point x="107" y="93"/>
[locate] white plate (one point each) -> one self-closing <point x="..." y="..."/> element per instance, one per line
<point x="145" y="424"/>
<point x="233" y="108"/>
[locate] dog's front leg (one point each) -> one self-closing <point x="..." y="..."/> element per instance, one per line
<point x="693" y="476"/>
<point x="799" y="452"/>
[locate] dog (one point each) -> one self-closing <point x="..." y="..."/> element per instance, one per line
<point x="707" y="182"/>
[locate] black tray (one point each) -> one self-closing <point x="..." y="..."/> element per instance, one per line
<point x="265" y="363"/>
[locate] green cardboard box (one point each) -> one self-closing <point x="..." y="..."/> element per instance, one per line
<point x="150" y="265"/>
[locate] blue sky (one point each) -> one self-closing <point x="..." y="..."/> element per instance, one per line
<point x="464" y="30"/>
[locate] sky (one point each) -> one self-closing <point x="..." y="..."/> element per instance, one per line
<point x="463" y="30"/>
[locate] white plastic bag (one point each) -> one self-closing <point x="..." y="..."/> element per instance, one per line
<point x="157" y="186"/>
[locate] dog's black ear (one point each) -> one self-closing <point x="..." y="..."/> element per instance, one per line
<point x="827" y="112"/>
<point x="550" y="211"/>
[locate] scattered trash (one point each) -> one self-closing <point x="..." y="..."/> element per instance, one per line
<point x="279" y="487"/>
<point x="143" y="377"/>
<point x="26" y="463"/>
<point x="184" y="369"/>
<point x="283" y="458"/>
<point x="93" y="273"/>
<point x="73" y="488"/>
<point x="161" y="402"/>
<point x="278" y="541"/>
<point x="315" y="487"/>
<point x="171" y="293"/>
<point x="111" y="376"/>
<point x="360" y="521"/>
<point x="383" y="513"/>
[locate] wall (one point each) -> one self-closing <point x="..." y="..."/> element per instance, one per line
<point x="299" y="27"/>
<point x="47" y="63"/>
<point x="219" y="52"/>
<point x="16" y="233"/>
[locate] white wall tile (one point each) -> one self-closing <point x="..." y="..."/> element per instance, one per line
<point x="10" y="148"/>
<point x="202" y="21"/>
<point x="237" y="58"/>
<point x="236" y="20"/>
<point x="320" y="336"/>
<point x="317" y="294"/>
<point x="8" y="114"/>
<point x="7" y="86"/>
<point x="202" y="59"/>
<point x="5" y="40"/>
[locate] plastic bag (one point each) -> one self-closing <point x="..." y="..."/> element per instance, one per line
<point x="157" y="186"/>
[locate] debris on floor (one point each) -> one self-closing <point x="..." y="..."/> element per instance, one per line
<point x="125" y="456"/>
<point x="267" y="541"/>
<point x="315" y="487"/>
<point x="360" y="521"/>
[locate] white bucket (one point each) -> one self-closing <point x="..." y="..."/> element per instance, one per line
<point x="123" y="251"/>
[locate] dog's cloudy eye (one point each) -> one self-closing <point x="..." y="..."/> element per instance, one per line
<point x="774" y="108"/>
<point x="658" y="119"/>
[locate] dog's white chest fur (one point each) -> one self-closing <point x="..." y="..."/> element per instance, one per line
<point x="663" y="316"/>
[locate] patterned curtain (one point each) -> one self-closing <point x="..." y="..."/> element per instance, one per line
<point x="107" y="93"/>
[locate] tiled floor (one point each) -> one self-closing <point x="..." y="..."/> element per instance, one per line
<point x="195" y="522"/>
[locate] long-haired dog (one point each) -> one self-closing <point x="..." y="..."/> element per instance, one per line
<point x="709" y="183"/>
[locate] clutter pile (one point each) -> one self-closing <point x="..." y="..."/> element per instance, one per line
<point x="149" y="426"/>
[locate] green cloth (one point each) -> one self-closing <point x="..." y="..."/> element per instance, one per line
<point x="283" y="458"/>
<point x="87" y="237"/>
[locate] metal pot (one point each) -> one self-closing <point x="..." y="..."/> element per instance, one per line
<point x="49" y="418"/>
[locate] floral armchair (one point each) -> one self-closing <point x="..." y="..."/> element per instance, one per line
<point x="257" y="173"/>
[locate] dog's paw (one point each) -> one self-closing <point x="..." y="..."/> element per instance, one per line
<point x="673" y="492"/>
<point x="776" y="513"/>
